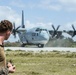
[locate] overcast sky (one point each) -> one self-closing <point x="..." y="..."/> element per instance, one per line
<point x="40" y="13"/>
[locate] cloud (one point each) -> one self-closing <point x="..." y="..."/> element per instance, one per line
<point x="50" y="5"/>
<point x="68" y="5"/>
<point x="9" y="14"/>
<point x="55" y="5"/>
<point x="67" y="2"/>
<point x="19" y="3"/>
<point x="69" y="25"/>
<point x="58" y="5"/>
<point x="29" y="25"/>
<point x="41" y="4"/>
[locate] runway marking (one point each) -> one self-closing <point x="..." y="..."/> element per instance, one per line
<point x="44" y="49"/>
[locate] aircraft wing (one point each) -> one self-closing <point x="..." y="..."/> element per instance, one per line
<point x="51" y="32"/>
<point x="57" y="34"/>
<point x="70" y="33"/>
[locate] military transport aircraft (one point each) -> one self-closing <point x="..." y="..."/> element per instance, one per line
<point x="36" y="36"/>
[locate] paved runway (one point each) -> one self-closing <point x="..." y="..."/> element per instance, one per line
<point x="44" y="49"/>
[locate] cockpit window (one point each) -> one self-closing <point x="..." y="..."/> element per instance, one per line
<point x="38" y="29"/>
<point x="44" y="29"/>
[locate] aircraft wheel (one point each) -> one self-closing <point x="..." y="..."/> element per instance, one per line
<point x="40" y="45"/>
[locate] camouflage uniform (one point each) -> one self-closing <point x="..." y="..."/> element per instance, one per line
<point x="3" y="68"/>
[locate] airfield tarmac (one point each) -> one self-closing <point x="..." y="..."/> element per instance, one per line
<point x="35" y="49"/>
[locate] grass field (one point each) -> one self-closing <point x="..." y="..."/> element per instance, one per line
<point x="43" y="63"/>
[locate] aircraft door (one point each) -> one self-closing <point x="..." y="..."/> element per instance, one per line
<point x="34" y="36"/>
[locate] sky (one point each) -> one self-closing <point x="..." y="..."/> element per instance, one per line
<point x="39" y="13"/>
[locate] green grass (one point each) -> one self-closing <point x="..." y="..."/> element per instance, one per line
<point x="43" y="63"/>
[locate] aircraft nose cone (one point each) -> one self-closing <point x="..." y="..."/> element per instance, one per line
<point x="45" y="35"/>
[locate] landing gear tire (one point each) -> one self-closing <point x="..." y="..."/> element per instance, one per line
<point x="23" y="45"/>
<point x="40" y="45"/>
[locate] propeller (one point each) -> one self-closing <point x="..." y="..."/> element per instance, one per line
<point x="74" y="32"/>
<point x="15" y="30"/>
<point x="71" y="32"/>
<point x="55" y="32"/>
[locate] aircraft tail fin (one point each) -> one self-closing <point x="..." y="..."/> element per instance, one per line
<point x="23" y="26"/>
